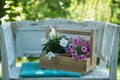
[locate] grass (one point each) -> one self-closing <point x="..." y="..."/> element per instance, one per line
<point x="118" y="72"/>
<point x="0" y="74"/>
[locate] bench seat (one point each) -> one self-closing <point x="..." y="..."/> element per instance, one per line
<point x="97" y="73"/>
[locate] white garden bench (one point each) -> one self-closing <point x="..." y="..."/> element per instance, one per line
<point x="19" y="39"/>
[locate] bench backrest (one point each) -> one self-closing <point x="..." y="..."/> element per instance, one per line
<point x="28" y="36"/>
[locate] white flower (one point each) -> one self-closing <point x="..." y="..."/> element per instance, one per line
<point x="63" y="42"/>
<point x="52" y="33"/>
<point x="50" y="55"/>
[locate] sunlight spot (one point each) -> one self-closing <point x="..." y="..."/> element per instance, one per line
<point x="18" y="18"/>
<point x="4" y="18"/>
<point x="39" y="72"/>
<point x="61" y="3"/>
<point x="6" y="6"/>
<point x="18" y="9"/>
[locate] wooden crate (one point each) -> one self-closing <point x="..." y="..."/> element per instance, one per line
<point x="67" y="63"/>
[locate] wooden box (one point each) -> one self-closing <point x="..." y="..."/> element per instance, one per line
<point x="67" y="63"/>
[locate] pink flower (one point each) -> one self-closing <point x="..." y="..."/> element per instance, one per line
<point x="84" y="48"/>
<point x="84" y="57"/>
<point x="81" y="57"/>
<point x="87" y="43"/>
<point x="88" y="49"/>
<point x="80" y="41"/>
<point x="74" y="56"/>
<point x="71" y="46"/>
<point x="79" y="37"/>
<point x="74" y="52"/>
<point x="68" y="49"/>
<point x="78" y="45"/>
<point x="76" y="42"/>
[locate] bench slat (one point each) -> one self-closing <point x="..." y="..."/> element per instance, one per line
<point x="101" y="72"/>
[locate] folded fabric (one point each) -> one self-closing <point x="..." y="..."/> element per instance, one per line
<point x="32" y="69"/>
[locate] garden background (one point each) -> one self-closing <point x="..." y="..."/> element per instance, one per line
<point x="79" y="10"/>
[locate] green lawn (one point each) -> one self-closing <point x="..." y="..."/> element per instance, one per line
<point x="118" y="72"/>
<point x="0" y="74"/>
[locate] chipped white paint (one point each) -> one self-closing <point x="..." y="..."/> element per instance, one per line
<point x="27" y="33"/>
<point x="7" y="50"/>
<point x="27" y="42"/>
<point x="114" y="55"/>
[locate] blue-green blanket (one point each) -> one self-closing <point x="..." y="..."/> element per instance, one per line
<point x="32" y="69"/>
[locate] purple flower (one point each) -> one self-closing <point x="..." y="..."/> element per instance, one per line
<point x="74" y="56"/>
<point x="76" y="42"/>
<point x="87" y="43"/>
<point x="71" y="46"/>
<point x="80" y="41"/>
<point x="81" y="57"/>
<point x="74" y="52"/>
<point x="79" y="37"/>
<point x="84" y="44"/>
<point x="84" y="48"/>
<point x="68" y="49"/>
<point x="88" y="49"/>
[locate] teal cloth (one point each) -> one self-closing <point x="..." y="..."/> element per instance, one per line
<point x="32" y="69"/>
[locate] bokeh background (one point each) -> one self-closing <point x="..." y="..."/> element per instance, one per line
<point x="79" y="10"/>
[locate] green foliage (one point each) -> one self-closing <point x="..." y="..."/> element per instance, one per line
<point x="35" y="10"/>
<point x="100" y="10"/>
<point x="53" y="45"/>
<point x="90" y="10"/>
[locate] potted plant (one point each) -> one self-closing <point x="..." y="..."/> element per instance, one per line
<point x="68" y="53"/>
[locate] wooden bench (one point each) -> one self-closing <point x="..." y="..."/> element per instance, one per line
<point x="19" y="39"/>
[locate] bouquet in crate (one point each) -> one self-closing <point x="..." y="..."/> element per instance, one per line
<point x="68" y="53"/>
<point x="76" y="47"/>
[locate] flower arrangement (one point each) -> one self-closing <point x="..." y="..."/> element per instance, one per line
<point x="56" y="43"/>
<point x="78" y="47"/>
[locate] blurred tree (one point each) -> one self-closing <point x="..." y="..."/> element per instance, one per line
<point x="90" y="10"/>
<point x="115" y="11"/>
<point x="101" y="10"/>
<point x="36" y="10"/>
<point x="2" y="10"/>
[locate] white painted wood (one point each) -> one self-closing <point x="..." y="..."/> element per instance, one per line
<point x="107" y="42"/>
<point x="102" y="64"/>
<point x="7" y="50"/>
<point x="27" y="39"/>
<point x="5" y="70"/>
<point x="14" y="73"/>
<point x="114" y="56"/>
<point x="36" y="28"/>
<point x="9" y="44"/>
<point x="28" y="42"/>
